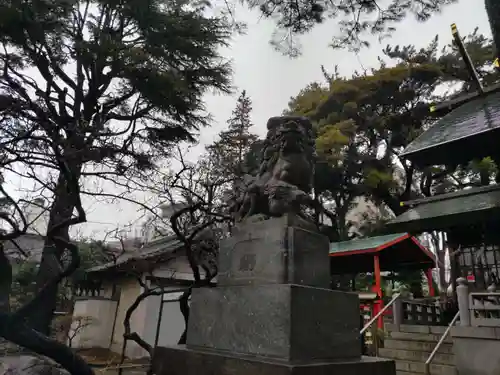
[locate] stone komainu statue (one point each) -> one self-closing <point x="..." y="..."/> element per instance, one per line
<point x="285" y="178"/>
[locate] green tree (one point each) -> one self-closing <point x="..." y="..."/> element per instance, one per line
<point x="23" y="289"/>
<point x="354" y="119"/>
<point x="23" y="282"/>
<point x="118" y="83"/>
<point x="412" y="280"/>
<point x="92" y="253"/>
<point x="229" y="152"/>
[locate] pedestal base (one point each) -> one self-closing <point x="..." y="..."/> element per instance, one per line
<point x="180" y="360"/>
<point x="289" y="322"/>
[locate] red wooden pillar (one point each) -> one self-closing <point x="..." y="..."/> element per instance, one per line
<point x="379" y="305"/>
<point x="430" y="284"/>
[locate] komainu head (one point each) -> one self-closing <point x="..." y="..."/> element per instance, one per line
<point x="290" y="134"/>
<point x="289" y="146"/>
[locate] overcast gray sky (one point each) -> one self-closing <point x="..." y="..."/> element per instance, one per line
<point x="270" y="79"/>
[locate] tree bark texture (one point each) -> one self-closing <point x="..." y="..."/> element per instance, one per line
<point x="61" y="211"/>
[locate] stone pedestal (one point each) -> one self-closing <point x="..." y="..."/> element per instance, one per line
<point x="283" y="321"/>
<point x="182" y="360"/>
<point x="272" y="312"/>
<point x="274" y="252"/>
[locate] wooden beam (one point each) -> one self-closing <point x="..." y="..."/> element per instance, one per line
<point x="467" y="60"/>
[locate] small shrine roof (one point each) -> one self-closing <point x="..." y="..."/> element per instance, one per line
<point x="396" y="251"/>
<point x="470" y="131"/>
<point x="367" y="244"/>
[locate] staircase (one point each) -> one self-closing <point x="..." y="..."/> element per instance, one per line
<point x="410" y="346"/>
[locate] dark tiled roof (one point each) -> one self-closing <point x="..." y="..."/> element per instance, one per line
<point x="151" y="250"/>
<point x="474" y="117"/>
<point x="442" y="211"/>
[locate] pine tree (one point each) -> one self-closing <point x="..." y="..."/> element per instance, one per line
<point x="356" y="19"/>
<point x="231" y="148"/>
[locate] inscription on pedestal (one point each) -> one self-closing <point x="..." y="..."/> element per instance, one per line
<point x="247" y="262"/>
<point x="256" y="261"/>
<point x="269" y="252"/>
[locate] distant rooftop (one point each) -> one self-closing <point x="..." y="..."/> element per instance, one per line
<point x="154" y="249"/>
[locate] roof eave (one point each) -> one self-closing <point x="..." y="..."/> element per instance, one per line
<point x="458" y="108"/>
<point x="457" y="151"/>
<point x="471" y="213"/>
<point x="125" y="266"/>
<point x="374" y="249"/>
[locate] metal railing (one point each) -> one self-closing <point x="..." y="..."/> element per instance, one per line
<point x="440" y="342"/>
<point x="379" y="314"/>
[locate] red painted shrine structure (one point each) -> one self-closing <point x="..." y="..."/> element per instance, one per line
<point x="388" y="253"/>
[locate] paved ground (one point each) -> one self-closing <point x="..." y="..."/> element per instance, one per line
<point x="20" y="360"/>
<point x="126" y="371"/>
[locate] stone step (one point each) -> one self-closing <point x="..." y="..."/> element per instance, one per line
<point x="419" y="368"/>
<point x="417" y="337"/>
<point x="410" y="328"/>
<point x="445" y="348"/>
<point x="416" y="356"/>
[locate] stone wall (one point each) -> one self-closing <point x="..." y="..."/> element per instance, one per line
<point x="476" y="350"/>
<point x="93" y="322"/>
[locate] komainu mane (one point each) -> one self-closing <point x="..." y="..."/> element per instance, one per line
<point x="284" y="181"/>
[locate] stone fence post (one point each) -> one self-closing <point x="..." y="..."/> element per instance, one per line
<point x="397" y="312"/>
<point x="397" y="307"/>
<point x="463" y="301"/>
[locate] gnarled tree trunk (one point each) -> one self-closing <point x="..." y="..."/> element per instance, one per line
<point x="61" y="211"/>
